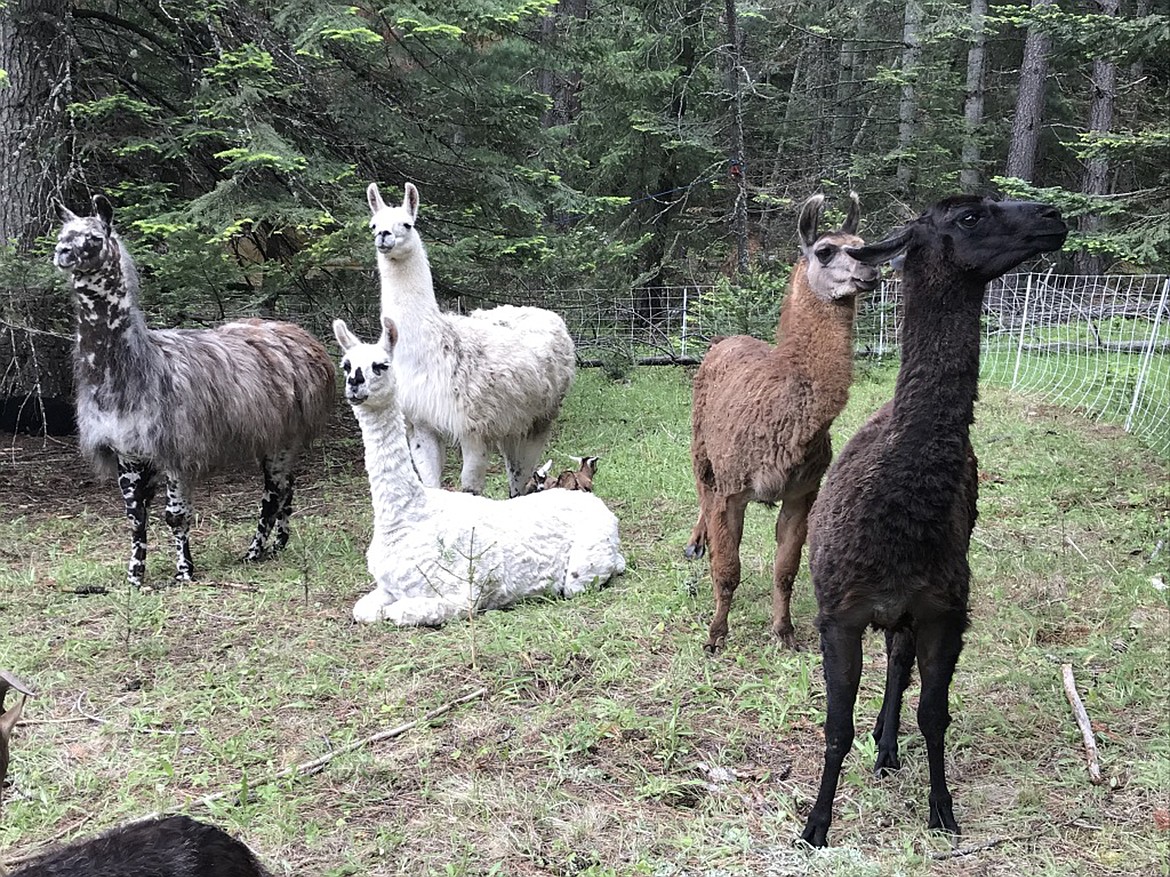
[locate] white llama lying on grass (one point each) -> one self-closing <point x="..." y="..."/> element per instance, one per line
<point x="494" y="379"/>
<point x="437" y="554"/>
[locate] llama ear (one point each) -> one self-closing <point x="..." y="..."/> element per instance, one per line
<point x="590" y="463"/>
<point x="545" y="469"/>
<point x="389" y="334"/>
<point x="10" y="717"/>
<point x="853" y="217"/>
<point x="104" y="210"/>
<point x="883" y="251"/>
<point x="374" y="197"/>
<point x="345" y="338"/>
<point x="809" y="219"/>
<point x="64" y="213"/>
<point x="410" y="200"/>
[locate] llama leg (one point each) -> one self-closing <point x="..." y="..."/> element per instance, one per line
<point x="522" y="456"/>
<point x="841" y="648"/>
<point x="696" y="546"/>
<point x="938" y="649"/>
<point x="791" y="531"/>
<point x="427" y="451"/>
<point x="724" y="516"/>
<point x="178" y="516"/>
<point x="275" y="486"/>
<point x="475" y="463"/>
<point x="899" y="663"/>
<point x="275" y="505"/>
<point x="136" y="481"/>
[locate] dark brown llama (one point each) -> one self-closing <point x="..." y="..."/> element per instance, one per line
<point x="888" y="536"/>
<point x="761" y="415"/>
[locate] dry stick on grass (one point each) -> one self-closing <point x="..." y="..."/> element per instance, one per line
<point x="308" y="768"/>
<point x="959" y="852"/>
<point x="1070" y="691"/>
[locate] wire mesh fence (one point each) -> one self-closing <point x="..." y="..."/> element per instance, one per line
<point x="1100" y="344"/>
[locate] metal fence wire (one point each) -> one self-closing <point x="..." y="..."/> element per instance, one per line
<point x="1097" y="343"/>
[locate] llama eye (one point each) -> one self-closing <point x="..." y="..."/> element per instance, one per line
<point x="968" y="220"/>
<point x="824" y="255"/>
<point x="407" y="226"/>
<point x="380" y="367"/>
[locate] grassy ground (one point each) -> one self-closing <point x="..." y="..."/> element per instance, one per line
<point x="608" y="743"/>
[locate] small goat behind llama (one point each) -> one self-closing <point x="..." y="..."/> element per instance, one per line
<point x="761" y="415"/>
<point x="889" y="534"/>
<point x="437" y="554"/>
<point x="493" y="379"/>
<point x="183" y="402"/>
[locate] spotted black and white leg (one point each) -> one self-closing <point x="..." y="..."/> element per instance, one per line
<point x="136" y="481"/>
<point x="276" y="502"/>
<point x="179" y="514"/>
<point x="285" y="481"/>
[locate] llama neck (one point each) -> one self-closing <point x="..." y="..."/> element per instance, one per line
<point x="394" y="484"/>
<point x="814" y="339"/>
<point x="112" y="337"/>
<point x="408" y="292"/>
<point x="934" y="398"/>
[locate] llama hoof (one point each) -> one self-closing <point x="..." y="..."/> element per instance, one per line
<point x="815" y="835"/>
<point x="714" y="645"/>
<point x="886" y="764"/>
<point x="942" y="818"/>
<point x="787" y="638"/>
<point x="694" y="552"/>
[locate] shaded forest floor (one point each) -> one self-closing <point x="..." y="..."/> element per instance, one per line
<point x="607" y="742"/>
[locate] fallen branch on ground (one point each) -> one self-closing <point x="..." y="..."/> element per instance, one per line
<point x="958" y="852"/>
<point x="1082" y="717"/>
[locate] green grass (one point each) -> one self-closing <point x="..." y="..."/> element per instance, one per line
<point x="608" y="742"/>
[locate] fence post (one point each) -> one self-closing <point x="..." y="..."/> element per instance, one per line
<point x="685" y="314"/>
<point x="1023" y="326"/>
<point x="1148" y="356"/>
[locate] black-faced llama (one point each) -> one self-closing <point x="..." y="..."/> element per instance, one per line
<point x="761" y="415"/>
<point x="494" y="379"/>
<point x="888" y="536"/>
<point x="178" y="403"/>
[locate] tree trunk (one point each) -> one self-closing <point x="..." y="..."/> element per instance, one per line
<point x="970" y="177"/>
<point x="1095" y="180"/>
<point x="908" y="104"/>
<point x="1021" y="160"/>
<point x="844" y="117"/>
<point x="738" y="167"/>
<point x="561" y="88"/>
<point x="34" y="54"/>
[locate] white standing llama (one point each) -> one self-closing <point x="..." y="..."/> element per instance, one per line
<point x="438" y="554"/>
<point x="493" y="379"/>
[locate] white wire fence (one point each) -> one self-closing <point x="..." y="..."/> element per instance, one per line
<point x="1099" y="344"/>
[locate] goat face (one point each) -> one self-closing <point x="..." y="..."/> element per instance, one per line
<point x="393" y="227"/>
<point x="368" y="368"/>
<point x="84" y="242"/>
<point x="834" y="274"/>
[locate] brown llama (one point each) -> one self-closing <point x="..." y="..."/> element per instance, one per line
<point x="761" y="415"/>
<point x="888" y="536"/>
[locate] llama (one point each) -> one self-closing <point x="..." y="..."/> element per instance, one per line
<point x="888" y="536"/>
<point x="438" y="554"/>
<point x="493" y="379"/>
<point x="580" y="478"/>
<point x="761" y="415"/>
<point x="174" y="846"/>
<point x="183" y="402"/>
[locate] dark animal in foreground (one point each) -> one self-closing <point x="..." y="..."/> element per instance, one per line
<point x="889" y="534"/>
<point x="174" y="404"/>
<point x="175" y="846"/>
<point x="761" y="415"/>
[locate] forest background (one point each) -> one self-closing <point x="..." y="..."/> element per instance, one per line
<point x="601" y="144"/>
